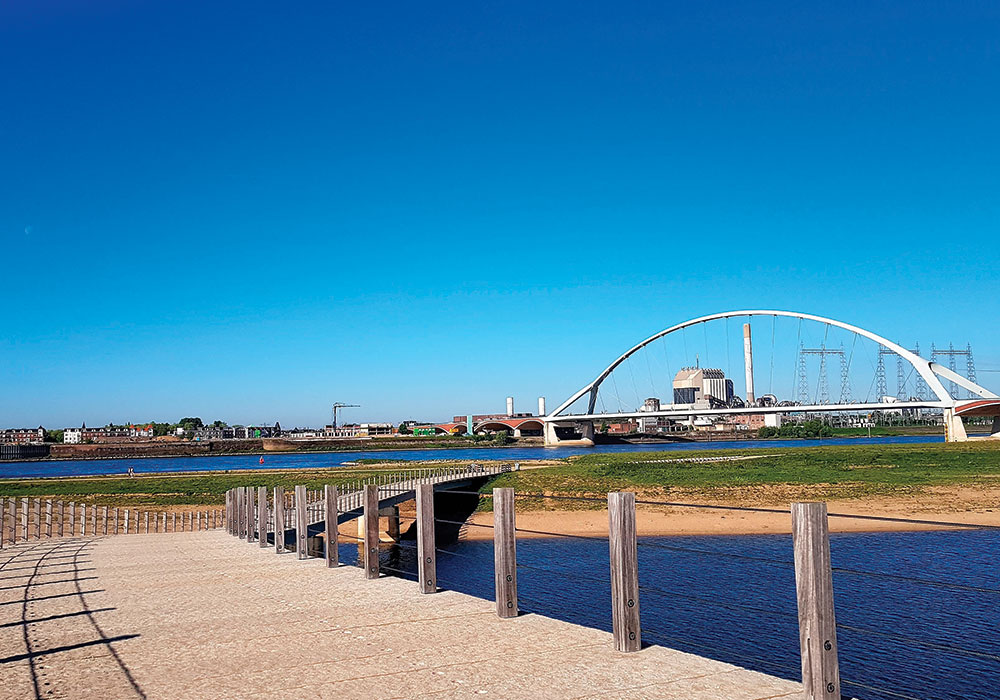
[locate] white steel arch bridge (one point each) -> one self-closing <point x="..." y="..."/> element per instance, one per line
<point x="560" y="422"/>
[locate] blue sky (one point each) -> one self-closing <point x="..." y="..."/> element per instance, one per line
<point x="247" y="211"/>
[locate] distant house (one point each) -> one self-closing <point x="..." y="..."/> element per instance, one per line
<point x="22" y="436"/>
<point x="211" y="432"/>
<point x="108" y="433"/>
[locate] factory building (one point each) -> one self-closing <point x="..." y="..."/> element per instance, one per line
<point x="699" y="386"/>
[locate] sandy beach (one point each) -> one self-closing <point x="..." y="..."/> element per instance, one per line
<point x="974" y="506"/>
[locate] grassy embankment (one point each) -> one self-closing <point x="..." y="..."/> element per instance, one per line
<point x="779" y="475"/>
<point x="824" y="473"/>
<point x="185" y="489"/>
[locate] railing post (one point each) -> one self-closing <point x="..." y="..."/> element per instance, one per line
<point x="38" y="519"/>
<point x="261" y="516"/>
<point x="814" y="589"/>
<point x="332" y="531"/>
<point x="624" y="571"/>
<point x="505" y="552"/>
<point x="279" y="519"/>
<point x="371" y="531"/>
<point x="128" y="521"/>
<point x="301" y="523"/>
<point x="104" y="517"/>
<point x="426" y="553"/>
<point x="147" y="521"/>
<point x="62" y="518"/>
<point x="72" y="518"/>
<point x="48" y="518"/>
<point x="3" y="523"/>
<point x="251" y="513"/>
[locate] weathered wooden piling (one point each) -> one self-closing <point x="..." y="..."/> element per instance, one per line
<point x="426" y="553"/>
<point x="279" y="519"/>
<point x="301" y="523"/>
<point x="814" y="592"/>
<point x="504" y="552"/>
<point x="331" y="531"/>
<point x="624" y="571"/>
<point x="371" y="531"/>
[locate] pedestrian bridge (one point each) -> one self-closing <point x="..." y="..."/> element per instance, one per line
<point x="921" y="383"/>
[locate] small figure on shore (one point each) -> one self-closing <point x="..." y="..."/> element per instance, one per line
<point x="261" y="459"/>
<point x="131" y="472"/>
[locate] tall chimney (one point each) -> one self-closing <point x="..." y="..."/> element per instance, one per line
<point x="510" y="406"/>
<point x="748" y="361"/>
<point x="541" y="405"/>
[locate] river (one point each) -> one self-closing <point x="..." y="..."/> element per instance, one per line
<point x="319" y="460"/>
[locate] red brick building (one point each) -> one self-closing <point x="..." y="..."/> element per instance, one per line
<point x="22" y="436"/>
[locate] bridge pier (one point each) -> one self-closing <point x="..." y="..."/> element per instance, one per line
<point x="392" y="530"/>
<point x="574" y="433"/>
<point x="954" y="428"/>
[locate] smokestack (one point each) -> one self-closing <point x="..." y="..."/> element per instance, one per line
<point x="510" y="406"/>
<point x="748" y="361"/>
<point x="541" y="405"/>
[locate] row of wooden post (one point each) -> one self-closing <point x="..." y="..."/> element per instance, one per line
<point x="810" y="537"/>
<point x="37" y="518"/>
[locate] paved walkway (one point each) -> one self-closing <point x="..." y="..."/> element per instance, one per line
<point x="201" y="615"/>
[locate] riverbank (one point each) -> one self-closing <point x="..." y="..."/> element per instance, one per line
<point x="967" y="505"/>
<point x="934" y="481"/>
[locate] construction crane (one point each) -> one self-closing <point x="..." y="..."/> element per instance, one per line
<point x="340" y="405"/>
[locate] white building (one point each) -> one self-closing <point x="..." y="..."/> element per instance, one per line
<point x="72" y="436"/>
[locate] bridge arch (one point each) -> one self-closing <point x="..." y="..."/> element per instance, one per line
<point x="929" y="371"/>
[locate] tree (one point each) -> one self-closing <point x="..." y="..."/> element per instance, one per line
<point x="404" y="429"/>
<point x="191" y="423"/>
<point x="53" y="436"/>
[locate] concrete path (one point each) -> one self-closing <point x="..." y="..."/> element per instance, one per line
<point x="202" y="615"/>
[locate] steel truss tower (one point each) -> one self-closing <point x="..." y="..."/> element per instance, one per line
<point x="951" y="353"/>
<point x="824" y="384"/>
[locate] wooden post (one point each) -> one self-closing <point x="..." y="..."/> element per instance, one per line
<point x="505" y="552"/>
<point x="261" y="516"/>
<point x="104" y="515"/>
<point x="24" y="519"/>
<point x="3" y="523"/>
<point x="173" y="522"/>
<point x="128" y="521"/>
<point x="426" y="554"/>
<point x="163" y="519"/>
<point x="72" y="518"/>
<point x="814" y="589"/>
<point x="371" y="531"/>
<point x="301" y="523"/>
<point x="62" y="518"/>
<point x="48" y="518"/>
<point x="624" y="571"/>
<point x="241" y="500"/>
<point x="332" y="532"/>
<point x="38" y="519"/>
<point x="279" y="519"/>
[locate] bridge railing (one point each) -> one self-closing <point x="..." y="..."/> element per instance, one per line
<point x="809" y="564"/>
<point x="26" y="518"/>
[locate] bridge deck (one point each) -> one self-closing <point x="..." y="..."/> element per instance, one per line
<point x="204" y="615"/>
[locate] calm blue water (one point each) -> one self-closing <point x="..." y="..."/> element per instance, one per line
<point x="91" y="467"/>
<point x="743" y="611"/>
